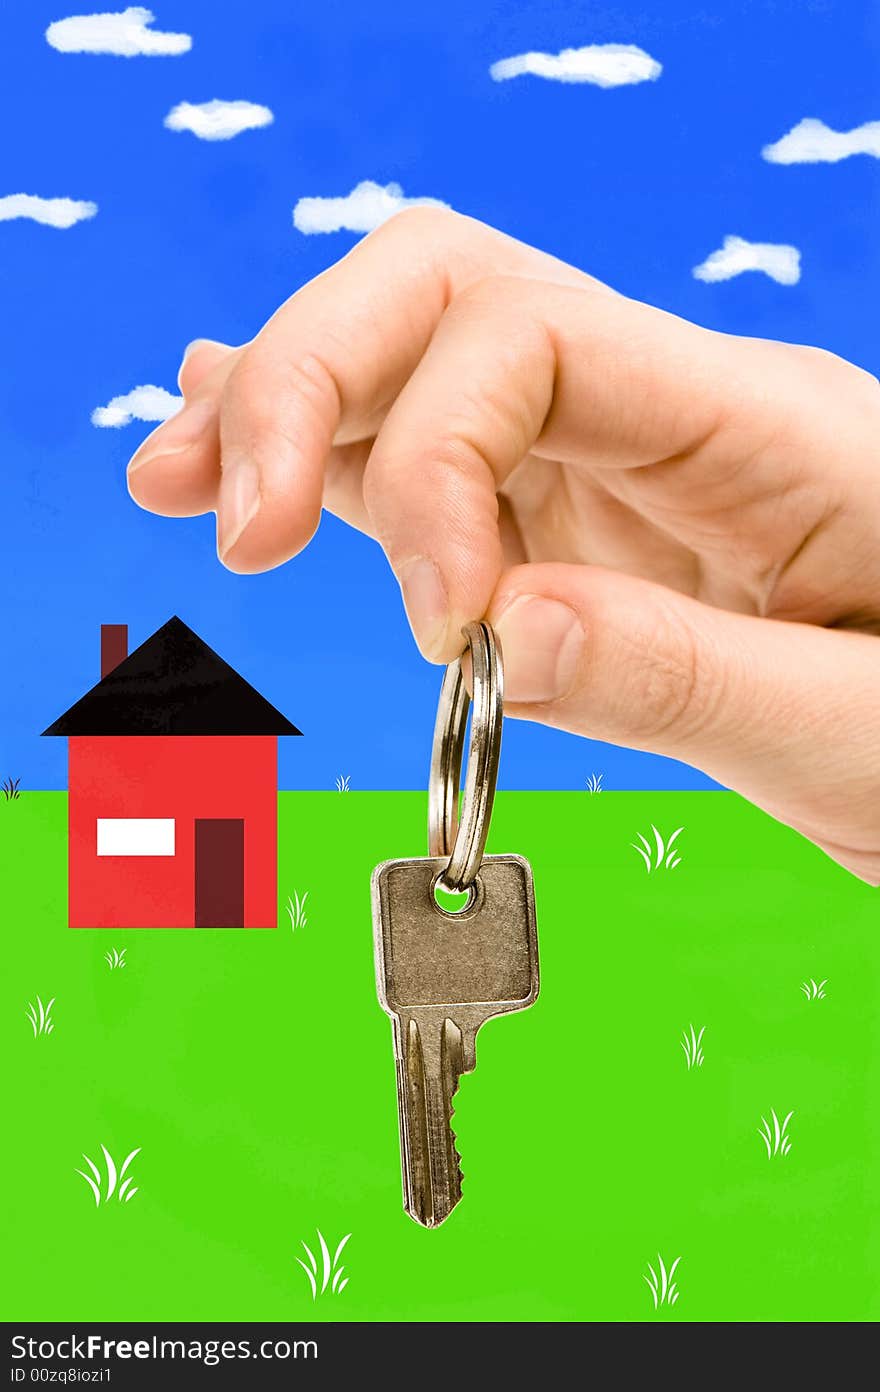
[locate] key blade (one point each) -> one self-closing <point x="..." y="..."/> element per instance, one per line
<point x="429" y="1065"/>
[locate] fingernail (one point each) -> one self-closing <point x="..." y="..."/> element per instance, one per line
<point x="427" y="606"/>
<point x="541" y="644"/>
<point x="238" y="502"/>
<point x="178" y="433"/>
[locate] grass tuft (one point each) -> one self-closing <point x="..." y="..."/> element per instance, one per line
<point x="114" y="1181"/>
<point x="661" y="855"/>
<point x="814" y="990"/>
<point x="775" y="1137"/>
<point x="663" y="1288"/>
<point x="330" y="1275"/>
<point x="692" y="1045"/>
<point x="40" y="1016"/>
<point x="296" y="910"/>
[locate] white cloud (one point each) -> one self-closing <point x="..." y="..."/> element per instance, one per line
<point x="605" y="65"/>
<point x="126" y="34"/>
<point x="54" y="212"/>
<point x="780" y="262"/>
<point x="141" y="403"/>
<point x="218" y="120"/>
<point x="812" y="142"/>
<point x="364" y="208"/>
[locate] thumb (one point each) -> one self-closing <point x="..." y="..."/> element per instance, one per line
<point x="783" y="713"/>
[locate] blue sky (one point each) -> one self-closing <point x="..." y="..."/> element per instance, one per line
<point x="637" y="184"/>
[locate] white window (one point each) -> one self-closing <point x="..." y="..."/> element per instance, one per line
<point x="135" y="836"/>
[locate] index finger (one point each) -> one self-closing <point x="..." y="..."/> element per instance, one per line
<point x="322" y="371"/>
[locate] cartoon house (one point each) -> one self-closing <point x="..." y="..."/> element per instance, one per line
<point x="173" y="782"/>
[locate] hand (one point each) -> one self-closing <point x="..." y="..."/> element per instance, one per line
<point x="675" y="532"/>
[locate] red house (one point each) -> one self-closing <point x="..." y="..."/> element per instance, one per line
<point x="173" y="783"/>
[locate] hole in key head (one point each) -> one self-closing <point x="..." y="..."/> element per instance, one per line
<point x="454" y="905"/>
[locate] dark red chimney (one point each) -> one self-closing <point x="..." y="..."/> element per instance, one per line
<point x="114" y="646"/>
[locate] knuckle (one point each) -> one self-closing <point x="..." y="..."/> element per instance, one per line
<point x="258" y="389"/>
<point x="491" y="292"/>
<point x="420" y="220"/>
<point x="673" y="691"/>
<point x="449" y="486"/>
<point x="445" y="471"/>
<point x="828" y="372"/>
<point x="507" y="318"/>
<point x="313" y="382"/>
<point x="246" y="405"/>
<point x="455" y="460"/>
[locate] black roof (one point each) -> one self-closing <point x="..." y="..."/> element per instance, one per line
<point x="173" y="684"/>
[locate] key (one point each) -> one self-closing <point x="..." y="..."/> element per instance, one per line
<point x="440" y="976"/>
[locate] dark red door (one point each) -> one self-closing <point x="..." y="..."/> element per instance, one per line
<point x="219" y="872"/>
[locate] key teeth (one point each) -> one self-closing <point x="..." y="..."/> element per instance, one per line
<point x="452" y="1053"/>
<point x="455" y="1149"/>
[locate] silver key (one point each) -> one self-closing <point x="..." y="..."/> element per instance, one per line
<point x="440" y="976"/>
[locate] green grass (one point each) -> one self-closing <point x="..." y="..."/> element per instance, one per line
<point x="254" y="1070"/>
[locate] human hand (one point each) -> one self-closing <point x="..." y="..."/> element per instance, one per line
<point x="675" y="532"/>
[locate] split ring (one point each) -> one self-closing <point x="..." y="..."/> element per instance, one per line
<point x="463" y="839"/>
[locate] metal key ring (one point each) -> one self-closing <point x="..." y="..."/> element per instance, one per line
<point x="464" y="841"/>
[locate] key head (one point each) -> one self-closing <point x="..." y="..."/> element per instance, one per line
<point x="484" y="956"/>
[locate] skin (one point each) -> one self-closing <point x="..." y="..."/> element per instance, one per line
<point x="675" y="532"/>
